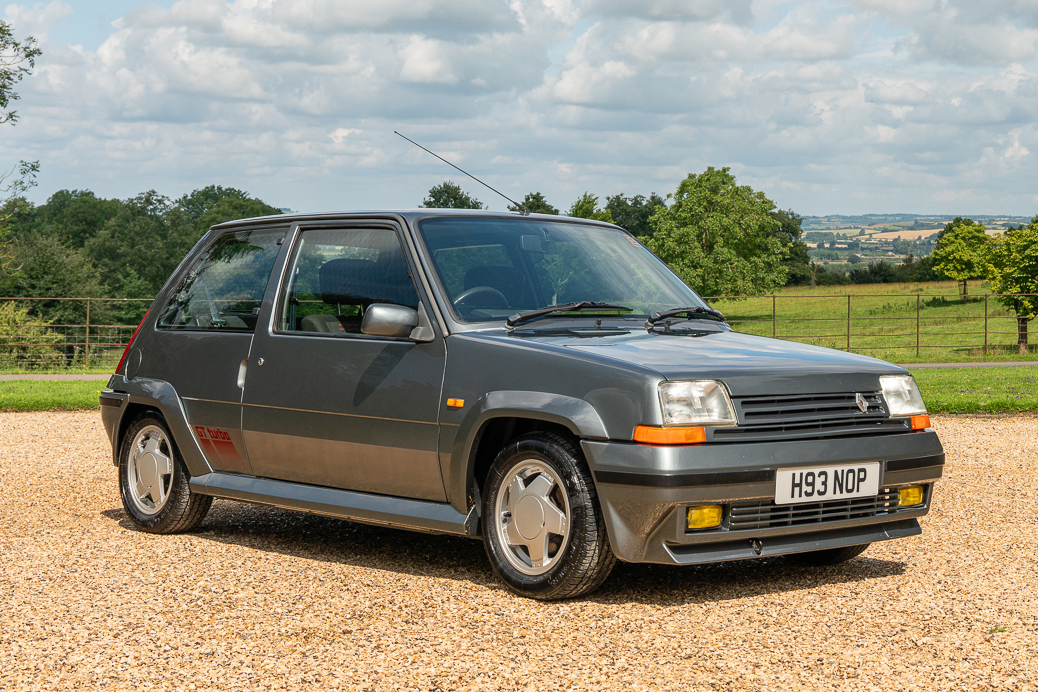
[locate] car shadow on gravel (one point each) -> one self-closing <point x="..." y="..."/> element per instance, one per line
<point x="313" y="537"/>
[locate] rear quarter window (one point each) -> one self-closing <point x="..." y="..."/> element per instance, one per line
<point x="224" y="287"/>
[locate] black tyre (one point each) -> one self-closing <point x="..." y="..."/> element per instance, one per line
<point x="542" y="526"/>
<point x="153" y="481"/>
<point x="832" y="556"/>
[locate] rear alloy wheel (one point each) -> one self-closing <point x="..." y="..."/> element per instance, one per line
<point x="543" y="529"/>
<point x="831" y="556"/>
<point x="153" y="481"/>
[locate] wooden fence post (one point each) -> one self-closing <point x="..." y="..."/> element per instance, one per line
<point x="87" y="341"/>
<point x="848" y="321"/>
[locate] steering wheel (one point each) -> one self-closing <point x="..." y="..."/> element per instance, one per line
<point x="482" y="289"/>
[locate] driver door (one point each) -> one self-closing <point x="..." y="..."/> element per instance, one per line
<point x="332" y="406"/>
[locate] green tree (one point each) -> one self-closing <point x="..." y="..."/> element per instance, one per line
<point x="448" y="195"/>
<point x="47" y="268"/>
<point x="536" y="204"/>
<point x="11" y="201"/>
<point x="17" y="58"/>
<point x="719" y="237"/>
<point x="953" y="224"/>
<point x="1012" y="268"/>
<point x="586" y="207"/>
<point x="138" y="248"/>
<point x="961" y="253"/>
<point x="633" y="213"/>
<point x="797" y="261"/>
<point x="212" y="205"/>
<point x="25" y="340"/>
<point x="76" y="216"/>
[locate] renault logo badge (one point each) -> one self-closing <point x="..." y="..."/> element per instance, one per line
<point x="863" y="405"/>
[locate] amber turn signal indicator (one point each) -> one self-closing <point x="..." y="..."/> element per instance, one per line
<point x="920" y="422"/>
<point x="652" y="435"/>
<point x="455" y="403"/>
<point x="705" y="517"/>
<point x="910" y="495"/>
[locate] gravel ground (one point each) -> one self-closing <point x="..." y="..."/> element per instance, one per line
<point x="267" y="599"/>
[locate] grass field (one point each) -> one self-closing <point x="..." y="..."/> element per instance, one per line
<point x="953" y="390"/>
<point x="43" y="395"/>
<point x="884" y="320"/>
<point x="979" y="390"/>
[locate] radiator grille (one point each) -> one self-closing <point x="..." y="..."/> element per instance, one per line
<point x="799" y="417"/>
<point x="765" y="514"/>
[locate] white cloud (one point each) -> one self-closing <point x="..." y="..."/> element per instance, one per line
<point x="38" y="18"/>
<point x="878" y="105"/>
<point x="424" y="61"/>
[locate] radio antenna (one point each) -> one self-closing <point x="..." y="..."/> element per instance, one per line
<point x="522" y="208"/>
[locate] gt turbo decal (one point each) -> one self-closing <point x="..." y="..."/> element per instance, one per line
<point x="218" y="445"/>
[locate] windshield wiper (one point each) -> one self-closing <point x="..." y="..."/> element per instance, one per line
<point x="687" y="313"/>
<point x="582" y="306"/>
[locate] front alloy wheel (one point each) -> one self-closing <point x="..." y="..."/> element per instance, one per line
<point x="532" y="517"/>
<point x="542" y="526"/>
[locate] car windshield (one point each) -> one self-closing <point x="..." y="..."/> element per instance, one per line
<point x="492" y="268"/>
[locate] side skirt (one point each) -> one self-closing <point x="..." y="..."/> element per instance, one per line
<point x="415" y="515"/>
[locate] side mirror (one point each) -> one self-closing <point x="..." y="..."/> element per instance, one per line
<point x="383" y="319"/>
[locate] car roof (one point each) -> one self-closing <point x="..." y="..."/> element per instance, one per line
<point x="408" y="214"/>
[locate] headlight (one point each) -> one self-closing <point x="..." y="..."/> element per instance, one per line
<point x="902" y="395"/>
<point x="701" y="402"/>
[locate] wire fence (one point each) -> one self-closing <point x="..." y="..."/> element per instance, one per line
<point x="66" y="333"/>
<point x="74" y="333"/>
<point x="893" y="325"/>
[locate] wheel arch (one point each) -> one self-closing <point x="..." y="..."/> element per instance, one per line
<point x="501" y="416"/>
<point x="146" y="395"/>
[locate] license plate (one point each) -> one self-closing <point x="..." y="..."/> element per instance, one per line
<point x="821" y="483"/>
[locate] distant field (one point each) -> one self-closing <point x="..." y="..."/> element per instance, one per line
<point x="884" y="320"/>
<point x="904" y="235"/>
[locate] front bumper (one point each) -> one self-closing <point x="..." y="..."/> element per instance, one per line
<point x="644" y="492"/>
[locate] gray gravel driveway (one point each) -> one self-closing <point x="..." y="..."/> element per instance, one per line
<point x="262" y="598"/>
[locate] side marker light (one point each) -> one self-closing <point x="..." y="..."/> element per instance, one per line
<point x="456" y="403"/>
<point x="705" y="517"/>
<point x="920" y="422"/>
<point x="650" y="434"/>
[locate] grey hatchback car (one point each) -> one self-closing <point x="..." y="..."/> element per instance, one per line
<point x="543" y="383"/>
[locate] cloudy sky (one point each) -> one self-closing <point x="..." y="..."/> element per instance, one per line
<point x="925" y="106"/>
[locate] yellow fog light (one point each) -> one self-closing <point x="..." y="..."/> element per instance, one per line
<point x="910" y="495"/>
<point x="705" y="517"/>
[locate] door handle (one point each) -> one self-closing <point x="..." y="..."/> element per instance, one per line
<point x="242" y="368"/>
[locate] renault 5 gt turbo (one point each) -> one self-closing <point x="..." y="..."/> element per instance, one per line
<point x="542" y="383"/>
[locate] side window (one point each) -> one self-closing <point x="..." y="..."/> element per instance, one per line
<point x="336" y="274"/>
<point x="224" y="288"/>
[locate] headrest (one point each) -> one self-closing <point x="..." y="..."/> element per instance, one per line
<point x="363" y="282"/>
